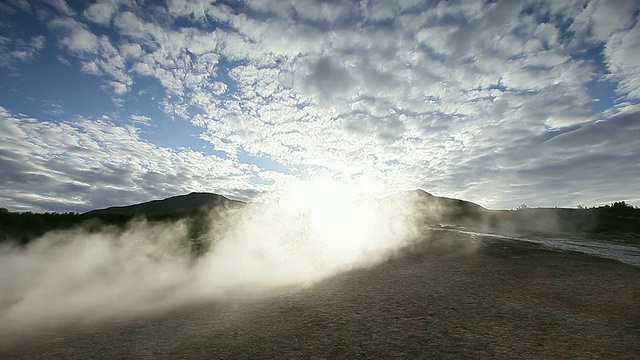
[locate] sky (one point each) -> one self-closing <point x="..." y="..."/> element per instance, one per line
<point x="501" y="103"/>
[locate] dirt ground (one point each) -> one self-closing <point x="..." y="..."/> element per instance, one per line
<point x="499" y="300"/>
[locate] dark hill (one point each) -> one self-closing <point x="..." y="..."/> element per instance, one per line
<point x="618" y="221"/>
<point x="442" y="210"/>
<point x="175" y="204"/>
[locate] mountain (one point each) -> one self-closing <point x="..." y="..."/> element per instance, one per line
<point x="619" y="221"/>
<point x="442" y="210"/>
<point x="429" y="208"/>
<point x="176" y="204"/>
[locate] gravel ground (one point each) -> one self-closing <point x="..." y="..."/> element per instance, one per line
<point x="496" y="300"/>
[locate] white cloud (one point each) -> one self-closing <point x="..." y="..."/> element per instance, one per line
<point x="60" y="6"/>
<point x="600" y="19"/>
<point x="99" y="56"/>
<point x="15" y="51"/>
<point x="21" y="4"/>
<point x="75" y="35"/>
<point x="102" y="11"/>
<point x="620" y="52"/>
<point x="326" y="79"/>
<point x="87" y="164"/>
<point x="141" y="119"/>
<point x="405" y="93"/>
<point x="613" y="24"/>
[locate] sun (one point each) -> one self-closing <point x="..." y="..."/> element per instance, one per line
<point x="329" y="204"/>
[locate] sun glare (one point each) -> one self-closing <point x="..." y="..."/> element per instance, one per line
<point x="330" y="205"/>
<point x="307" y="231"/>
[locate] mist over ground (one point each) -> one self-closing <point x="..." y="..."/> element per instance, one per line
<point x="292" y="238"/>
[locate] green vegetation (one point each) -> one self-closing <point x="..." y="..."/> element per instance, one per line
<point x="22" y="228"/>
<point x="200" y="212"/>
<point x="618" y="221"/>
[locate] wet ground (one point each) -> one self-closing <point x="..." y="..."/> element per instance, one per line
<point x="457" y="296"/>
<point x="626" y="253"/>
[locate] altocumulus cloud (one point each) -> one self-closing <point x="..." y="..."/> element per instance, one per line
<point x="98" y="162"/>
<point x="497" y="102"/>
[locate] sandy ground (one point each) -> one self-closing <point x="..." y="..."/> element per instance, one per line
<point x="500" y="300"/>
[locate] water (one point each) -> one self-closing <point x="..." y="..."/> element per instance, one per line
<point x="626" y="253"/>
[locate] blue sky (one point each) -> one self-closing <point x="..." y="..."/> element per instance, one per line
<point x="497" y="102"/>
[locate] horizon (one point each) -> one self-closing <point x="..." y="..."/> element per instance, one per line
<point x="498" y="103"/>
<point x="271" y="196"/>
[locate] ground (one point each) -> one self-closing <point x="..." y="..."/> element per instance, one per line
<point x="497" y="299"/>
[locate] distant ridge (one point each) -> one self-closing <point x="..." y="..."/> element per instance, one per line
<point x="438" y="210"/>
<point x="428" y="209"/>
<point x="181" y="203"/>
<point x="617" y="222"/>
<point x="450" y="203"/>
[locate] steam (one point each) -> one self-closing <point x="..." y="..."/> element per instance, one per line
<point x="293" y="238"/>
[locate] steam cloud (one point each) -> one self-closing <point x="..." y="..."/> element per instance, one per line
<point x="290" y="239"/>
